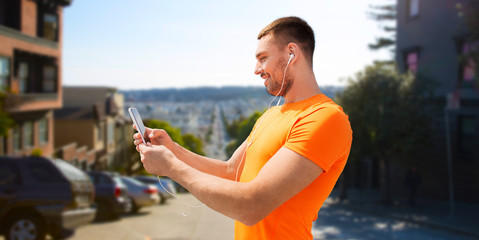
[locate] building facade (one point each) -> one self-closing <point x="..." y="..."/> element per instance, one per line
<point x="30" y="73"/>
<point x="92" y="118"/>
<point x="433" y="42"/>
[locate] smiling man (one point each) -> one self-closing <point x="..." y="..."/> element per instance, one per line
<point x="292" y="158"/>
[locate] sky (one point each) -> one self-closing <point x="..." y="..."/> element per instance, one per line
<point x="145" y="44"/>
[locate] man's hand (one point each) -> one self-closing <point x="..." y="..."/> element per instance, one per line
<point x="156" y="137"/>
<point x="156" y="159"/>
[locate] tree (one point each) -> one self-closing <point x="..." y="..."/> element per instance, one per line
<point x="390" y="115"/>
<point x="174" y="133"/>
<point x="5" y="121"/>
<point x="243" y="129"/>
<point x="386" y="15"/>
<point x="188" y="141"/>
<point x="193" y="144"/>
<point x="233" y="128"/>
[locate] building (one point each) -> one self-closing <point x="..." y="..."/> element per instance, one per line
<point x="431" y="38"/>
<point x="92" y="118"/>
<point x="30" y="72"/>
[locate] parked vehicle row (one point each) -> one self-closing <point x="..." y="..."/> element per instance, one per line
<point x="141" y="195"/>
<point x="166" y="187"/>
<point x="40" y="196"/>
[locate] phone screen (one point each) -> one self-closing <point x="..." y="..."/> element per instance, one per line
<point x="136" y="118"/>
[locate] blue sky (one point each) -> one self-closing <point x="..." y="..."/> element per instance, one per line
<point x="146" y="44"/>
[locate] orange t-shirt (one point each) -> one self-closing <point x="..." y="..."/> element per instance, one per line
<point x="319" y="130"/>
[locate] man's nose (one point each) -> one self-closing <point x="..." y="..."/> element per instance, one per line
<point x="258" y="69"/>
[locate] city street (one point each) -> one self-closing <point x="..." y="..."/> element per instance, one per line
<point x="338" y="223"/>
<point x="163" y="222"/>
<point x="166" y="222"/>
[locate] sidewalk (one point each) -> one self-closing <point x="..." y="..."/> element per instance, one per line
<point x="433" y="214"/>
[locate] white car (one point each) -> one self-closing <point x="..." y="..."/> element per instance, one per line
<point x="165" y="183"/>
<point x="142" y="195"/>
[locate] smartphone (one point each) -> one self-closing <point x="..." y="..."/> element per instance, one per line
<point x="135" y="116"/>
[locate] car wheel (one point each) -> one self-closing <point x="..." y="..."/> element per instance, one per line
<point x="162" y="199"/>
<point x="134" y="207"/>
<point x="25" y="227"/>
<point x="105" y="211"/>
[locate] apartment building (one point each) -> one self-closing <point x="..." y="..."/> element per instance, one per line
<point x="30" y="72"/>
<point x="431" y="41"/>
<point x="92" y="118"/>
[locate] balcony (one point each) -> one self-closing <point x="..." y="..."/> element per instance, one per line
<point x="31" y="102"/>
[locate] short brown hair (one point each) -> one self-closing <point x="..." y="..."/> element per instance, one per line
<point x="291" y="29"/>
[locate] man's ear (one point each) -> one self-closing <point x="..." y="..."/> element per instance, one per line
<point x="294" y="51"/>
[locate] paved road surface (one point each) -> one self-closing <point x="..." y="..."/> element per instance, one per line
<point x="163" y="222"/>
<point x="336" y="223"/>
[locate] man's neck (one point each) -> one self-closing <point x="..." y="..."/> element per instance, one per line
<point x="304" y="86"/>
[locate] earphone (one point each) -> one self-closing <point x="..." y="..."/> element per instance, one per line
<point x="291" y="56"/>
<point x="186" y="204"/>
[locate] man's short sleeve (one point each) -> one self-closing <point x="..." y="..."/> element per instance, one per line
<point x="323" y="136"/>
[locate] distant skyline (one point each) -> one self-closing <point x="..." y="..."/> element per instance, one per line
<point x="162" y="44"/>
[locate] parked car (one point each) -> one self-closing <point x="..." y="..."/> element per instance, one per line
<point x="40" y="196"/>
<point x="111" y="195"/>
<point x="165" y="183"/>
<point x="141" y="195"/>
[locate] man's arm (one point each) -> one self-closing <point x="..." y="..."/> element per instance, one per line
<point x="224" y="169"/>
<point x="246" y="202"/>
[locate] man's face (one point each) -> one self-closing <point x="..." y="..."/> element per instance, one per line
<point x="271" y="62"/>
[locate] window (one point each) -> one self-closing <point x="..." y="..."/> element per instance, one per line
<point x="17" y="143"/>
<point x="413" y="8"/>
<point x="49" y="78"/>
<point x="47" y="20"/>
<point x="43" y="131"/>
<point x="23" y="76"/>
<point x="111" y="132"/>
<point x="28" y="134"/>
<point x="467" y="132"/>
<point x="469" y="67"/>
<point x="44" y="173"/>
<point x="103" y="179"/>
<point x="4" y="73"/>
<point x="10" y="13"/>
<point x="8" y="174"/>
<point x="412" y="62"/>
<point x="50" y="26"/>
<point x="100" y="129"/>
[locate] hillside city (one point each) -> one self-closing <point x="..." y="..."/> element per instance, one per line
<point x="197" y="110"/>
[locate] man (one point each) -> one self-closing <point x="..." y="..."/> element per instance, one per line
<point x="291" y="160"/>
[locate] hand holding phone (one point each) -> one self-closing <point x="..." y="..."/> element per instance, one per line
<point x="136" y="118"/>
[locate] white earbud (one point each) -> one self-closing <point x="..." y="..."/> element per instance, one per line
<point x="291" y="56"/>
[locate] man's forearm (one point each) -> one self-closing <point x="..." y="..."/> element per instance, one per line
<point x="204" y="164"/>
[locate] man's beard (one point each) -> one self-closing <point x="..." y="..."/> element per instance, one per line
<point x="276" y="80"/>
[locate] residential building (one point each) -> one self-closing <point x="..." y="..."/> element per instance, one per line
<point x="431" y="40"/>
<point x="93" y="117"/>
<point x="30" y="72"/>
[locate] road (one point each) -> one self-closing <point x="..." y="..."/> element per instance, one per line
<point x="163" y="222"/>
<point x="216" y="148"/>
<point x="166" y="222"/>
<point x="336" y="223"/>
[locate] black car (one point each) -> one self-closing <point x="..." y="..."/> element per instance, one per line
<point x="111" y="195"/>
<point x="40" y="196"/>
